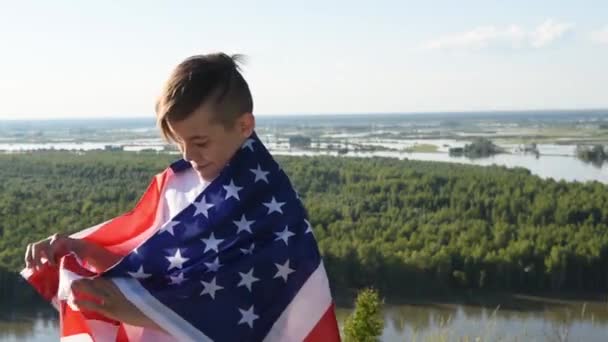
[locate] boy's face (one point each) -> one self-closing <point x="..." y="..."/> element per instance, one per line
<point x="207" y="145"/>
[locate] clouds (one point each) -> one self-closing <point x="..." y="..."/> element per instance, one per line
<point x="600" y="36"/>
<point x="513" y="36"/>
<point x="548" y="32"/>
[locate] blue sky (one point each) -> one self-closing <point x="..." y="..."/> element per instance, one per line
<point x="109" y="58"/>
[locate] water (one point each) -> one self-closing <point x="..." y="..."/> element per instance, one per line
<point x="537" y="320"/>
<point x="557" y="167"/>
<point x="457" y="322"/>
<point x="556" y="161"/>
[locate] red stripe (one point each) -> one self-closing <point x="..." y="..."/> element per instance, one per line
<point x="45" y="281"/>
<point x="122" y="334"/>
<point x="72" y="322"/>
<point x="326" y="329"/>
<point x="134" y="225"/>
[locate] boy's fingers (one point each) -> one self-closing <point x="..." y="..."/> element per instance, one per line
<point x="47" y="254"/>
<point x="41" y="250"/>
<point x="90" y="287"/>
<point x="92" y="306"/>
<point x="28" y="256"/>
<point x="36" y="255"/>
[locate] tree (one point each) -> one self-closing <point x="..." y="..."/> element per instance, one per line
<point x="365" y="322"/>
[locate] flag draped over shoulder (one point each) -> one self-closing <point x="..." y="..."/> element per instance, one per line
<point x="231" y="260"/>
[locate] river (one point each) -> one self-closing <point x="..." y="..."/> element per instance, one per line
<point x="555" y="161"/>
<point x="520" y="318"/>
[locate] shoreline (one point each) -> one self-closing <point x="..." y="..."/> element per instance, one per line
<point x="517" y="301"/>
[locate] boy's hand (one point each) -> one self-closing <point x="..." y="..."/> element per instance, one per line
<point x="58" y="245"/>
<point x="51" y="248"/>
<point x="102" y="296"/>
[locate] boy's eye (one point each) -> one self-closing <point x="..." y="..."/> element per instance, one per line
<point x="201" y="144"/>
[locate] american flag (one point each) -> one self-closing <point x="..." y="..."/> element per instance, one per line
<point x="230" y="260"/>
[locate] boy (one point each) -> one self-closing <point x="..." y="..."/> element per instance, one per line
<point x="206" y="109"/>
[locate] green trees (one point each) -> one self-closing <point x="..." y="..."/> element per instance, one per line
<point x="404" y="227"/>
<point x="365" y="323"/>
<point x="594" y="154"/>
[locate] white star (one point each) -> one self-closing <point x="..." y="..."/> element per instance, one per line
<point x="273" y="206"/>
<point x="249" y="250"/>
<point x="213" y="266"/>
<point x="210" y="288"/>
<point x="211" y="243"/>
<point x="283" y="271"/>
<point x="177" y="280"/>
<point x="284" y="235"/>
<point x="248" y="316"/>
<point x="168" y="227"/>
<point x="176" y="261"/>
<point x="248" y="143"/>
<point x="203" y="207"/>
<point x="247" y="279"/>
<point x="140" y="273"/>
<point x="243" y="224"/>
<point x="232" y="190"/>
<point x="308" y="227"/>
<point x="136" y="250"/>
<point x="260" y="174"/>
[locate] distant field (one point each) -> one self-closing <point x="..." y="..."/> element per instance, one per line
<point x="422" y="148"/>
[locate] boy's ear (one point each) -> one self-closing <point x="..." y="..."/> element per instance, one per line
<point x="246" y="124"/>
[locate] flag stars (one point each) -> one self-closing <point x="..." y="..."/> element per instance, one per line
<point x="203" y="207"/>
<point x="247" y="279"/>
<point x="210" y="288"/>
<point x="308" y="227"/>
<point x="260" y="175"/>
<point x="249" y="250"/>
<point x="274" y="206"/>
<point x="168" y="227"/>
<point x="232" y="190"/>
<point x="176" y="280"/>
<point x="283" y="271"/>
<point x="211" y="243"/>
<point x="243" y="225"/>
<point x="248" y="144"/>
<point x="213" y="266"/>
<point x="284" y="235"/>
<point x="140" y="274"/>
<point x="176" y="261"/>
<point x="248" y="316"/>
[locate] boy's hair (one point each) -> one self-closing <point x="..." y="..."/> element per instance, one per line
<point x="198" y="79"/>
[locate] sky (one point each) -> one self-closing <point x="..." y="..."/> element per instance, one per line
<point x="84" y="59"/>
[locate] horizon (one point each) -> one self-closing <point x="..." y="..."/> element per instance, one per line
<point x="498" y="112"/>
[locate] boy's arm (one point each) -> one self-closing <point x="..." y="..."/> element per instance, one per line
<point x="96" y="256"/>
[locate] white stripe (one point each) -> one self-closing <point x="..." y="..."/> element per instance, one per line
<point x="137" y="334"/>
<point x="77" y="338"/>
<point x="179" y="192"/>
<point x="166" y="318"/>
<point x="64" y="290"/>
<point x="102" y="331"/>
<point x="305" y="310"/>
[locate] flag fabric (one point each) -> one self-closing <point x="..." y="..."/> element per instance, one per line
<point x="230" y="260"/>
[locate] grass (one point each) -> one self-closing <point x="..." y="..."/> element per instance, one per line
<point x="422" y="148"/>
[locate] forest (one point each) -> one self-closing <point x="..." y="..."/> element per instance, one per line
<point x="404" y="227"/>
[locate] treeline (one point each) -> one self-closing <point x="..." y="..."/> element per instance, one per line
<point x="595" y="154"/>
<point x="404" y="227"/>
<point x="479" y="148"/>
